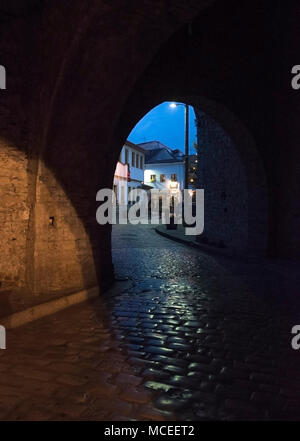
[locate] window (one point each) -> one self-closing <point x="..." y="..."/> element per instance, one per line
<point x="137" y="161"/>
<point x="141" y="162"/>
<point x="173" y="177"/>
<point x="126" y="156"/>
<point x="152" y="178"/>
<point x="133" y="159"/>
<point x="122" y="195"/>
<point x="128" y="194"/>
<point x="162" y="178"/>
<point x="116" y="192"/>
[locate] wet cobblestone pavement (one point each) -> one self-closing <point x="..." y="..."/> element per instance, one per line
<point x="212" y="336"/>
<point x="182" y="336"/>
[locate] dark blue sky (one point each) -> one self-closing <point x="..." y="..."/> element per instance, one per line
<point x="166" y="125"/>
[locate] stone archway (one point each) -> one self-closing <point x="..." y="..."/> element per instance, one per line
<point x="79" y="77"/>
<point x="65" y="94"/>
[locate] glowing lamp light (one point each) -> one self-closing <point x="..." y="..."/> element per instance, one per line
<point x="173" y="105"/>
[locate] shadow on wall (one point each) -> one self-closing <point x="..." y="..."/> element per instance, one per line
<point x="47" y="246"/>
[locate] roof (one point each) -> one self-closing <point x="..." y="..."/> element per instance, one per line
<point x="156" y="153"/>
<point x="162" y="156"/>
<point x="134" y="146"/>
<point x="152" y="145"/>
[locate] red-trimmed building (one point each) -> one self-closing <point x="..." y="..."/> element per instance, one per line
<point x="129" y="171"/>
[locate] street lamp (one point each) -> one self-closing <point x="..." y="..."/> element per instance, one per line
<point x="186" y="151"/>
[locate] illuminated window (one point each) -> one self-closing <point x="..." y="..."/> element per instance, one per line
<point x="152" y="178"/>
<point x="162" y="178"/>
<point x="173" y="177"/>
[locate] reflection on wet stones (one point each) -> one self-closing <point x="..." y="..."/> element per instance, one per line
<point x="203" y="336"/>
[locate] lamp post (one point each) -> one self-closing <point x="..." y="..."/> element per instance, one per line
<point x="186" y="149"/>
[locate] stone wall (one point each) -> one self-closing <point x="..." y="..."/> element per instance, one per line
<point x="232" y="175"/>
<point x="223" y="177"/>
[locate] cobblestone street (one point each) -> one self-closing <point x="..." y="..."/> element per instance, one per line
<point x="182" y="335"/>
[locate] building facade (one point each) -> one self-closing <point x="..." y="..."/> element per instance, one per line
<point x="164" y="168"/>
<point x="129" y="172"/>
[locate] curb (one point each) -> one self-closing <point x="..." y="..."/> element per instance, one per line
<point x="36" y="312"/>
<point x="207" y="248"/>
<point x="177" y="239"/>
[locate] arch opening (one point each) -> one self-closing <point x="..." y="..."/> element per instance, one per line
<point x="229" y="169"/>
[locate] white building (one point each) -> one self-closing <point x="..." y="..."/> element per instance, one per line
<point x="164" y="168"/>
<point x="129" y="172"/>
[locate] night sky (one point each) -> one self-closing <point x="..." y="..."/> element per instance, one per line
<point x="166" y="125"/>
